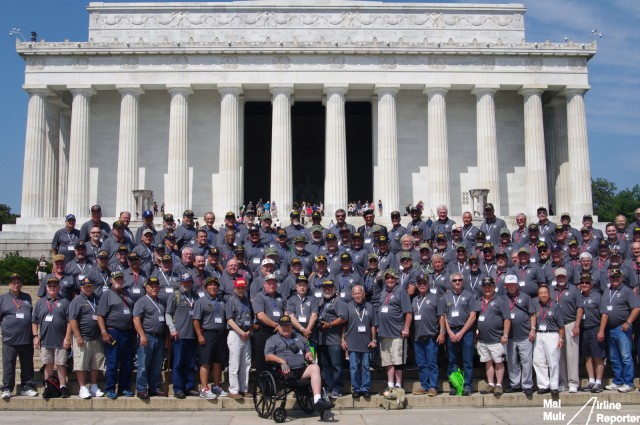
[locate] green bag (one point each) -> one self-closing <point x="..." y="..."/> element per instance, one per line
<point x="457" y="380"/>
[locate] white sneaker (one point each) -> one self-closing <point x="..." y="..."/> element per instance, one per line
<point x="6" y="395"/>
<point x="207" y="394"/>
<point x="612" y="387"/>
<point x="30" y="392"/>
<point x="625" y="388"/>
<point x="219" y="392"/>
<point x="84" y="393"/>
<point x="573" y="389"/>
<point x="94" y="390"/>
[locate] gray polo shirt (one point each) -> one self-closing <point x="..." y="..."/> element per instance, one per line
<point x="328" y="311"/>
<point x="185" y="235"/>
<point x="169" y="282"/>
<point x="84" y="310"/>
<point x="491" y="319"/>
<point x="302" y="308"/>
<point x="473" y="282"/>
<point x="617" y="304"/>
<point x="345" y="282"/>
<point x="211" y="313"/>
<point x="567" y="299"/>
<point x="292" y="350"/>
<point x="591" y="306"/>
<point x="529" y="278"/>
<point x="52" y="317"/>
<point x="117" y="310"/>
<point x="135" y="285"/>
<point x="426" y="315"/>
<point x="15" y="318"/>
<point x="239" y="310"/>
<point x="394" y="305"/>
<point x="459" y="307"/>
<point x="274" y="307"/>
<point x="85" y="235"/>
<point x="65" y="241"/>
<point x="520" y="310"/>
<point x="492" y="230"/>
<point x="111" y="245"/>
<point x="67" y="286"/>
<point x="548" y="318"/>
<point x="180" y="307"/>
<point x="79" y="270"/>
<point x="151" y="314"/>
<point x="100" y="280"/>
<point x="360" y="319"/>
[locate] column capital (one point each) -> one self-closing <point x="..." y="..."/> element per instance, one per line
<point x="131" y="89"/>
<point x="41" y="89"/>
<point x="235" y="89"/>
<point x="528" y="90"/>
<point x="335" y="88"/>
<point x="481" y="89"/>
<point x="183" y="89"/>
<point x="277" y="89"/>
<point x="575" y="90"/>
<point x="382" y="89"/>
<point x="431" y="89"/>
<point x="82" y="89"/>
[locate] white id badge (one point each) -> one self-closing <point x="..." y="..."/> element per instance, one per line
<point x="342" y="294"/>
<point x="160" y="318"/>
<point x="318" y="294"/>
<point x="532" y="260"/>
<point x="136" y="290"/>
<point x="513" y="315"/>
<point x="584" y="316"/>
<point x="70" y="247"/>
<point x="367" y="241"/>
<point x="554" y="283"/>
<point x="302" y="319"/>
<point x="609" y="308"/>
<point x="417" y="317"/>
<point x="542" y="238"/>
<point x="80" y="276"/>
<point x="246" y="323"/>
<point x="488" y="237"/>
<point x="433" y="290"/>
<point x="542" y="328"/>
<point x="481" y="318"/>
<point x="256" y="260"/>
<point x="384" y="309"/>
<point x="218" y="320"/>
<point x="362" y="329"/>
<point x="94" y="316"/>
<point x="276" y="314"/>
<point x="201" y="294"/>
<point x="455" y="313"/>
<point x="168" y="290"/>
<point x="521" y="283"/>
<point x="126" y="311"/>
<point x="48" y="318"/>
<point x="19" y="315"/>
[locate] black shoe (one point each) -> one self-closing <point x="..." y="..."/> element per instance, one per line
<point x="322" y="404"/>
<point x="179" y="394"/>
<point x="528" y="391"/>
<point x="64" y="392"/>
<point x="365" y="394"/>
<point x="355" y="394"/>
<point x="193" y="393"/>
<point x="467" y="391"/>
<point x="143" y="395"/>
<point x="544" y="391"/>
<point x="555" y="393"/>
<point x="513" y="390"/>
<point x="453" y="391"/>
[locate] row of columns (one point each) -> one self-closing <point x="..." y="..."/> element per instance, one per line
<point x="56" y="174"/>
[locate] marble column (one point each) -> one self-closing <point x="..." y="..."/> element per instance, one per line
<point x="177" y="188"/>
<point x="563" y="180"/>
<point x="51" y="158"/>
<point x="388" y="190"/>
<point x="127" y="178"/>
<point x="241" y="104"/>
<point x="35" y="142"/>
<point x="63" y="159"/>
<point x="578" y="148"/>
<point x="78" y="191"/>
<point x="534" y="151"/>
<point x="281" y="149"/>
<point x="487" y="145"/>
<point x="335" y="179"/>
<point x="374" y="148"/>
<point x="230" y="171"/>
<point x="437" y="145"/>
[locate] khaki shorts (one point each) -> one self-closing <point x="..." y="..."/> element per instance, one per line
<point x="391" y="350"/>
<point x="58" y="356"/>
<point x="491" y="352"/>
<point x="89" y="357"/>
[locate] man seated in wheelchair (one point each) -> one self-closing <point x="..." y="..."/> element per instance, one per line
<point x="290" y="351"/>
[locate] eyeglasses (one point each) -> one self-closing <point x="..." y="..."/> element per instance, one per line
<point x="585" y="283"/>
<point x="404" y="260"/>
<point x="456" y="280"/>
<point x="340" y="216"/>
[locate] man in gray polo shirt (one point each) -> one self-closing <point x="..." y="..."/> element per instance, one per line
<point x="592" y="333"/>
<point x="332" y="314"/>
<point x="549" y="342"/>
<point x="530" y="276"/>
<point x="149" y="322"/>
<point x="567" y="296"/>
<point x="64" y="240"/>
<point x="17" y="338"/>
<point x="240" y="320"/>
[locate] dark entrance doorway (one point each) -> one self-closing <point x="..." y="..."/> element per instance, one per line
<point x="308" y="134"/>
<point x="359" y="151"/>
<point x="257" y="151"/>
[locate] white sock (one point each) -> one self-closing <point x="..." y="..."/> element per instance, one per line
<point x="389" y="384"/>
<point x="491" y="384"/>
<point x="316" y="398"/>
<point x="398" y="386"/>
<point x="599" y="381"/>
<point x="592" y="381"/>
<point x="498" y="385"/>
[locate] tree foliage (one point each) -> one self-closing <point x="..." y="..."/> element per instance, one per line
<point x="5" y="215"/>
<point x="24" y="266"/>
<point x="608" y="202"/>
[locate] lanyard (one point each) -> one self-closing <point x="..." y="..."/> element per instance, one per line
<point x="456" y="301"/>
<point x="51" y="307"/>
<point x="81" y="268"/>
<point x="388" y="296"/>
<point x="154" y="304"/>
<point x="543" y="315"/>
<point x="461" y="266"/>
<point x="559" y="297"/>
<point x="523" y="271"/>
<point x="215" y="305"/>
<point x="18" y="303"/>
<point x="419" y="303"/>
<point x="104" y="279"/>
<point x="488" y="267"/>
<point x="612" y="295"/>
<point x="485" y="304"/>
<point x="165" y="278"/>
<point x="302" y="301"/>
<point x="515" y="300"/>
<point x="124" y="300"/>
<point x="360" y="309"/>
<point x="190" y="301"/>
<point x="475" y="282"/>
<point x="464" y="235"/>
<point x="92" y="305"/>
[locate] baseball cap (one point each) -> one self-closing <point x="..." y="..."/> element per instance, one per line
<point x="147" y="213"/>
<point x="70" y="217"/>
<point x="240" y="283"/>
<point x="510" y="280"/>
<point x="391" y="272"/>
<point x="58" y="257"/>
<point x="488" y="280"/>
<point x="186" y="277"/>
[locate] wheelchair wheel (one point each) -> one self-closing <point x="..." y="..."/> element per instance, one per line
<point x="280" y="415"/>
<point x="305" y="401"/>
<point x="264" y="395"/>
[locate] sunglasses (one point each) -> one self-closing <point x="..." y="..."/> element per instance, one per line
<point x="456" y="280"/>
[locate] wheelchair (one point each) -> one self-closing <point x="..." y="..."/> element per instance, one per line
<point x="272" y="387"/>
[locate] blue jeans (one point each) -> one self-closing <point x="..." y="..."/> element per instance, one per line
<point x="360" y="374"/>
<point x="119" y="360"/>
<point x="427" y="361"/>
<point x="184" y="364"/>
<point x="150" y="364"/>
<point x="620" y="353"/>
<point x="464" y="347"/>
<point x="331" y="358"/>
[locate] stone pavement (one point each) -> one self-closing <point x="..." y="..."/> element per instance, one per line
<point x="417" y="416"/>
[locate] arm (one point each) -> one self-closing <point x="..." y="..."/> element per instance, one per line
<point x="262" y="316"/>
<point x="469" y="323"/>
<point x="137" y="323"/>
<point x="343" y="341"/>
<point x="632" y="317"/>
<point x="443" y="330"/>
<point x="561" y="333"/>
<point x="603" y="326"/>
<point x="106" y="337"/>
<point x="76" y="332"/>
<point x="507" y="328"/>
<point x="532" y="332"/>
<point x="172" y="327"/>
<point x="407" y="324"/>
<point x="576" y="326"/>
<point x="196" y="326"/>
<point x="234" y="326"/>
<point x="36" y="336"/>
<point x="374" y="337"/>
<point x="67" y="338"/>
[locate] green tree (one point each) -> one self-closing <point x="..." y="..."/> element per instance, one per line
<point x="604" y="199"/>
<point x="627" y="201"/>
<point x="5" y="215"/>
<point x="14" y="263"/>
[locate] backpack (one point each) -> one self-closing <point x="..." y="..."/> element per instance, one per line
<point x="394" y="399"/>
<point x="51" y="388"/>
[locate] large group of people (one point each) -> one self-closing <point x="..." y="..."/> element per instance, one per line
<point x="538" y="298"/>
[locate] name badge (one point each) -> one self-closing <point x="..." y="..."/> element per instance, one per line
<point x="522" y="283"/>
<point x="190" y="312"/>
<point x="433" y="290"/>
<point x="367" y="241"/>
<point x="554" y="283"/>
<point x="201" y="294"/>
<point x="246" y="323"/>
<point x="542" y="238"/>
<point x="19" y="315"/>
<point x="609" y="308"/>
<point x="343" y="294"/>
<point x="542" y="328"/>
<point x="362" y="329"/>
<point x="256" y="260"/>
<point x="94" y="317"/>
<point x="384" y="309"/>
<point x="218" y="320"/>
<point x="401" y="268"/>
<point x="455" y="313"/>
<point x="48" y="318"/>
<point x="70" y="247"/>
<point x="160" y="318"/>
<point x="584" y="316"/>
<point x="417" y="317"/>
<point x="532" y="260"/>
<point x="488" y="237"/>
<point x="276" y="314"/>
<point x="513" y="315"/>
<point x="168" y="290"/>
<point x="126" y="311"/>
<point x="481" y="318"/>
<point x="317" y="294"/>
<point x="136" y="290"/>
<point x="302" y="319"/>
<point x="80" y="276"/>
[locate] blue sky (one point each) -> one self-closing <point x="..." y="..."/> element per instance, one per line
<point x="613" y="104"/>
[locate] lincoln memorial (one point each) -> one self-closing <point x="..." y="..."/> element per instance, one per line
<point x="210" y="105"/>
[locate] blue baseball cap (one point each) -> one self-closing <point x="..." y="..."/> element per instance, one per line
<point x="147" y="213"/>
<point x="70" y="217"/>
